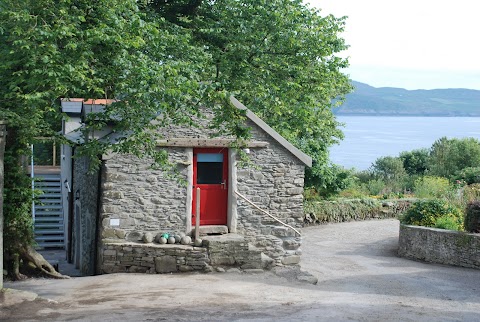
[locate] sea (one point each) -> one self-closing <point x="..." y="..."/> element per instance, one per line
<point x="370" y="137"/>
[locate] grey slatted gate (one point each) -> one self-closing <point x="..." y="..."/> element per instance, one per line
<point x="49" y="219"/>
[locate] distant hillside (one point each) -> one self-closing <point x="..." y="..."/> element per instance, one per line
<point x="368" y="100"/>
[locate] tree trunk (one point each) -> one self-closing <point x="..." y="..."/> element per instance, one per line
<point x="29" y="254"/>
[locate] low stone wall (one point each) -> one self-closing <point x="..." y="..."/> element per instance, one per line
<point x="439" y="246"/>
<point x="230" y="250"/>
<point x="343" y="210"/>
<point x="153" y="258"/>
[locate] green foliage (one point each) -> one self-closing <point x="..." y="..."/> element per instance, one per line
<point x="375" y="187"/>
<point x="279" y="58"/>
<point x="18" y="225"/>
<point x="432" y="187"/>
<point x="426" y="212"/>
<point x="343" y="210"/>
<point x="415" y="162"/>
<point x="336" y="179"/>
<point x="468" y="175"/>
<point x="389" y="168"/>
<point x="472" y="217"/>
<point x="168" y="58"/>
<point x="471" y="193"/>
<point x="449" y="223"/>
<point x="450" y="156"/>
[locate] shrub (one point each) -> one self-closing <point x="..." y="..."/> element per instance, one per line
<point x="432" y="187"/>
<point x="375" y="187"/>
<point x="471" y="192"/>
<point x="426" y="212"/>
<point x="449" y="223"/>
<point x="472" y="217"/>
<point x="469" y="175"/>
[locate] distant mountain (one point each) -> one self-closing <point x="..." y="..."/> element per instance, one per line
<point x="368" y="100"/>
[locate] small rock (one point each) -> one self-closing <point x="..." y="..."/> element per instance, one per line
<point x="220" y="269"/>
<point x="186" y="240"/>
<point x="198" y="242"/>
<point x="162" y="240"/>
<point x="308" y="278"/>
<point x="177" y="238"/>
<point x="182" y="234"/>
<point x="147" y="237"/>
<point x="171" y="240"/>
<point x="291" y="260"/>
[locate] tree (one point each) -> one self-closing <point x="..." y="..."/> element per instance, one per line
<point x="163" y="57"/>
<point x="415" y="162"/>
<point x="52" y="49"/>
<point x="389" y="168"/>
<point x="450" y="156"/>
<point x="279" y="58"/>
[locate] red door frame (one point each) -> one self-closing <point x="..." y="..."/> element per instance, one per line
<point x="213" y="197"/>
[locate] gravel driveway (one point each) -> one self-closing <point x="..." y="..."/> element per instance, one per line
<point x="360" y="279"/>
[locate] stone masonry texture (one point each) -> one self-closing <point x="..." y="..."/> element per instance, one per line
<point x="439" y="246"/>
<point x="140" y="199"/>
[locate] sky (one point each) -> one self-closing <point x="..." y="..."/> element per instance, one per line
<point x="412" y="44"/>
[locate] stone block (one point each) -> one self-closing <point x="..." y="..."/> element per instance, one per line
<point x="185" y="268"/>
<point x="148" y="237"/>
<point x="291" y="260"/>
<point x="110" y="252"/>
<point x="120" y="233"/>
<point x="165" y="264"/>
<point x="109" y="233"/>
<point x="137" y="269"/>
<point x="134" y="236"/>
<point x="291" y="244"/>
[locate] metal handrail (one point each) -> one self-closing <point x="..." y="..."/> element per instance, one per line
<point x="260" y="209"/>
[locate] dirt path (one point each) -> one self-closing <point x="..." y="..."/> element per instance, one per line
<point x="360" y="279"/>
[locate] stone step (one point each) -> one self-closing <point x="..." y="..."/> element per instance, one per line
<point x="212" y="230"/>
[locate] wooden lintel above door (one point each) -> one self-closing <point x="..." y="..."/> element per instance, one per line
<point x="207" y="143"/>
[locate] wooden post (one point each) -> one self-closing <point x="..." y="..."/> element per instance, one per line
<point x="3" y="134"/>
<point x="197" y="217"/>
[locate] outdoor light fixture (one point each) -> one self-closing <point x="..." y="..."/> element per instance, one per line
<point x="67" y="186"/>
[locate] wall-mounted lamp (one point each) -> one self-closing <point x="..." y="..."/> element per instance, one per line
<point x="67" y="186"/>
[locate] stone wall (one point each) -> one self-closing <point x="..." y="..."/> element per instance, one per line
<point x="152" y="258"/>
<point x="343" y="210"/>
<point x="223" y="251"/>
<point x="142" y="199"/>
<point x="275" y="184"/>
<point x="137" y="199"/>
<point x="439" y="246"/>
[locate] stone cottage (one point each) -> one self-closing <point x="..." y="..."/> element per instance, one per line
<point x="116" y="212"/>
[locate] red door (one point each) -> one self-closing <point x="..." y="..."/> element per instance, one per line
<point x="210" y="174"/>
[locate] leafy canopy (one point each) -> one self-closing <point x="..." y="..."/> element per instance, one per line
<point x="279" y="58"/>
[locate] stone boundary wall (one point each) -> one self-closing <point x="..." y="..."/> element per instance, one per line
<point x="152" y="258"/>
<point x="439" y="246"/>
<point x="230" y="250"/>
<point x="335" y="211"/>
